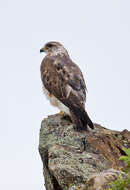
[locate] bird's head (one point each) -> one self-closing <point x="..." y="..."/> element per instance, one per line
<point x="54" y="48"/>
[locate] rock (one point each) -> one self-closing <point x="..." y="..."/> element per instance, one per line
<point x="84" y="160"/>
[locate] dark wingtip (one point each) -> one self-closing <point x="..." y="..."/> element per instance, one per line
<point x="86" y="120"/>
<point x="90" y="124"/>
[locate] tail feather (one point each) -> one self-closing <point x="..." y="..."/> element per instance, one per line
<point x="83" y="116"/>
<point x="80" y="113"/>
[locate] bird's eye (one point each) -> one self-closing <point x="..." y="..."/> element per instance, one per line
<point x="49" y="45"/>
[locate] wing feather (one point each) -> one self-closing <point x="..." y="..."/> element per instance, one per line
<point x="61" y="77"/>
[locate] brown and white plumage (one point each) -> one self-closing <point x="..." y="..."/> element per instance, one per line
<point x="64" y="85"/>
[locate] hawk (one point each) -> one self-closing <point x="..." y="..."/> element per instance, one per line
<point x="64" y="85"/>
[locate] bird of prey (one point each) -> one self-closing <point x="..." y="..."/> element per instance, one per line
<point x="64" y="85"/>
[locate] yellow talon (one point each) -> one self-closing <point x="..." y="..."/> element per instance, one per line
<point x="61" y="113"/>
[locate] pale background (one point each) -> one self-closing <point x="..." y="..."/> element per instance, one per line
<point x="97" y="35"/>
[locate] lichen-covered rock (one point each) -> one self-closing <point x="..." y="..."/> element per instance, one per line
<point x="81" y="160"/>
<point x="101" y="180"/>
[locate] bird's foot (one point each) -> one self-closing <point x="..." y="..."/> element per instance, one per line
<point x="61" y="113"/>
<point x="64" y="116"/>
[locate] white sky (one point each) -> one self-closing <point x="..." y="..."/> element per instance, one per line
<point x="97" y="35"/>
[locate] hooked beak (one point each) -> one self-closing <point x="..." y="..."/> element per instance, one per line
<point x="42" y="50"/>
